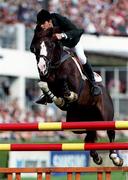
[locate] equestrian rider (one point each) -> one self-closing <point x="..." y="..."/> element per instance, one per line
<point x="70" y="37"/>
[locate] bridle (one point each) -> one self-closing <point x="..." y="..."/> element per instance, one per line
<point x="50" y="64"/>
<point x="46" y="59"/>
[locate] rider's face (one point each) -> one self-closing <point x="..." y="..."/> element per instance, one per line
<point x="46" y="25"/>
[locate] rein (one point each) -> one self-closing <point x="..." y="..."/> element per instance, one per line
<point x="58" y="63"/>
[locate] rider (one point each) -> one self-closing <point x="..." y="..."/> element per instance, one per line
<point x="70" y="37"/>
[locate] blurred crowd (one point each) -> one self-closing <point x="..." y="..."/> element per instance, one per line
<point x="24" y="11"/>
<point x="95" y="16"/>
<point x="11" y="112"/>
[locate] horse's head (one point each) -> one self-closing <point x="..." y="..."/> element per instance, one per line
<point x="49" y="50"/>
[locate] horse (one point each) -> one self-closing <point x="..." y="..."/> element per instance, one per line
<point x="60" y="73"/>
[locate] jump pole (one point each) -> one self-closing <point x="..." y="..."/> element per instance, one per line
<point x="64" y="147"/>
<point x="61" y="126"/>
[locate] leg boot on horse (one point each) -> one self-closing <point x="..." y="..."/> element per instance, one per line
<point x="91" y="137"/>
<point x="44" y="99"/>
<point x="113" y="155"/>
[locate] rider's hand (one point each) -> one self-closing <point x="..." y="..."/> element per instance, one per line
<point x="59" y="36"/>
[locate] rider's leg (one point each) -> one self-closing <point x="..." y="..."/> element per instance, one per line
<point x="95" y="89"/>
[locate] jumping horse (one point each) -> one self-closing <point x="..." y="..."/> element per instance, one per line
<point x="60" y="73"/>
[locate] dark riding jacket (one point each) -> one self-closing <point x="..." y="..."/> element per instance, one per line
<point x="66" y="26"/>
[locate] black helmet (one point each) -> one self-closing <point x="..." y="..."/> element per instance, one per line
<point x="43" y="16"/>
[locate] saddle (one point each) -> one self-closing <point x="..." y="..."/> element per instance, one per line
<point x="69" y="53"/>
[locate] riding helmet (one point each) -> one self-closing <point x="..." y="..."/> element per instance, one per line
<point x="43" y="16"/>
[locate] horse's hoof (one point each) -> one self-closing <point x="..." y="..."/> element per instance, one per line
<point x="98" y="160"/>
<point x="117" y="161"/>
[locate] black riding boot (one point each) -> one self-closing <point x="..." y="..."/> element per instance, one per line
<point x="95" y="89"/>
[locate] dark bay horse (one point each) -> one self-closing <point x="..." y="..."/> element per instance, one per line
<point x="57" y="67"/>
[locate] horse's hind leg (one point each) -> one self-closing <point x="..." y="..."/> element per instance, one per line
<point x="90" y="138"/>
<point x="113" y="153"/>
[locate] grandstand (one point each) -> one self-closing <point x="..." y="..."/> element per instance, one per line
<point x="105" y="41"/>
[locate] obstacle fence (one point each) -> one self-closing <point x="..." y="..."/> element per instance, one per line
<point x="60" y="126"/>
<point x="64" y="147"/>
<point x="100" y="171"/>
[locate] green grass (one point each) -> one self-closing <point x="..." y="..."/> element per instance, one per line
<point x="89" y="176"/>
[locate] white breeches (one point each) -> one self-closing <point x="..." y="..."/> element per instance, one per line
<point x="79" y="49"/>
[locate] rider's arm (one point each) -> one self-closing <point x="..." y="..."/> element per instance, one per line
<point x="67" y="27"/>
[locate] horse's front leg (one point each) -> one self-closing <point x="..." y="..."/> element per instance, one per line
<point x="70" y="96"/>
<point x="91" y="138"/>
<point x="60" y="102"/>
<point x="114" y="156"/>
